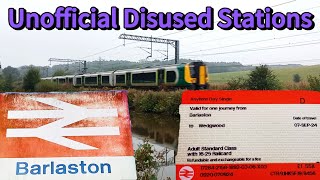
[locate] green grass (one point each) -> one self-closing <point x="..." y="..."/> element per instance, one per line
<point x="285" y="75"/>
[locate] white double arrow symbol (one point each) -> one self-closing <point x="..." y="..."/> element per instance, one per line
<point x="69" y="114"/>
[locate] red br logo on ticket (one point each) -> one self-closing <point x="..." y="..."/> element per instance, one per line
<point x="249" y="135"/>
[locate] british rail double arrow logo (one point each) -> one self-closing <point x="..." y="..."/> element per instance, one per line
<point x="68" y="114"/>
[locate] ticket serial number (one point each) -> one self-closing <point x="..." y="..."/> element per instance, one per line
<point x="216" y="174"/>
<point x="236" y="166"/>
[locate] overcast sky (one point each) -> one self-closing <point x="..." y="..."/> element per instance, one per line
<point x="25" y="47"/>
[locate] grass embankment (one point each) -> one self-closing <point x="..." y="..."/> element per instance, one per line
<point x="285" y="75"/>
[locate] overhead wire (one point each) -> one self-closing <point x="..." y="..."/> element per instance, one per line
<point x="284" y="3"/>
<point x="293" y="61"/>
<point x="173" y="33"/>
<point x="262" y="48"/>
<point x="227" y="37"/>
<point x="281" y="4"/>
<point x="115" y="47"/>
<point x="253" y="42"/>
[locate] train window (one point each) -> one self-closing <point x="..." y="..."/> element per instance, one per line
<point x="144" y="78"/>
<point x="105" y="79"/>
<point x="192" y="71"/>
<point x="79" y="80"/>
<point x="91" y="80"/>
<point x="70" y="80"/>
<point x="62" y="81"/>
<point x="121" y="78"/>
<point x="171" y="76"/>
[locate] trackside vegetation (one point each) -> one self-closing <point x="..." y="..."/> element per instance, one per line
<point x="148" y="161"/>
<point x="162" y="102"/>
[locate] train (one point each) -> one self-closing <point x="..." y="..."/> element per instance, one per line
<point x="192" y="75"/>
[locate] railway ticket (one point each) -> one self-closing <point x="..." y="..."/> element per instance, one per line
<point x="249" y="134"/>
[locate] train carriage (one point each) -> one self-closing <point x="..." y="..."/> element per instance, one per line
<point x="121" y="78"/>
<point x="59" y="79"/>
<point x="192" y="75"/>
<point x="91" y="80"/>
<point x="47" y="79"/>
<point x="106" y="79"/>
<point x="78" y="81"/>
<point x="144" y="77"/>
<point x="69" y="79"/>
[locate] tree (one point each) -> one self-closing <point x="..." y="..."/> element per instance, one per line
<point x="11" y="72"/>
<point x="59" y="72"/>
<point x="236" y="83"/>
<point x="31" y="79"/>
<point x="296" y="78"/>
<point x="262" y="78"/>
<point x="147" y="161"/>
<point x="2" y="84"/>
<point x="314" y="83"/>
<point x="10" y="76"/>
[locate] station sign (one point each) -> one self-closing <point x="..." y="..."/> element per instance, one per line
<point x="49" y="136"/>
<point x="249" y="135"/>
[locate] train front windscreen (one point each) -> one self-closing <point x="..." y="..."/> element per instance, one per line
<point x="199" y="72"/>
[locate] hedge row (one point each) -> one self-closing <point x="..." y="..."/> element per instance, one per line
<point x="160" y="102"/>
